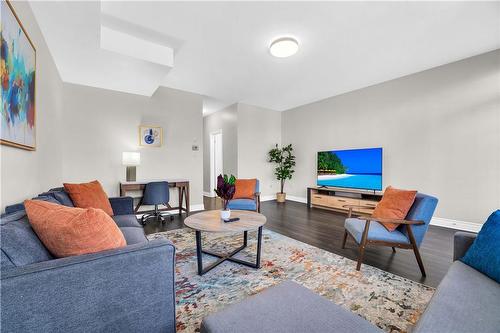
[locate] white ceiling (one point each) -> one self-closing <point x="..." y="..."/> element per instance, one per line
<point x="221" y="48"/>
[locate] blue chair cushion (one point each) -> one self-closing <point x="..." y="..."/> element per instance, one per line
<point x="484" y="253"/>
<point x="133" y="235"/>
<point x="376" y="231"/>
<point x="242" y="204"/>
<point x="19" y="243"/>
<point x="126" y="221"/>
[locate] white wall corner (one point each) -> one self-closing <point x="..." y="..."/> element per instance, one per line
<point x="195" y="208"/>
<point x="208" y="194"/>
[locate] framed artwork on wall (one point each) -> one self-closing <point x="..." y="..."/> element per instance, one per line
<point x="150" y="136"/>
<point x="17" y="77"/>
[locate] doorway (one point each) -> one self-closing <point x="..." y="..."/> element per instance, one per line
<point x="216" y="167"/>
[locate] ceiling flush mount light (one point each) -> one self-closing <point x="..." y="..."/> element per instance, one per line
<point x="284" y="47"/>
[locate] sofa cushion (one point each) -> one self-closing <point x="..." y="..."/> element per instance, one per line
<point x="376" y="231"/>
<point x="89" y="195"/>
<point x="68" y="231"/>
<point x="126" y="221"/>
<point x="134" y="235"/>
<point x="242" y="204"/>
<point x="19" y="243"/>
<point x="463" y="293"/>
<point x="395" y="204"/>
<point x="47" y="198"/>
<point x="484" y="253"/>
<point x="60" y="195"/>
<point x="285" y="308"/>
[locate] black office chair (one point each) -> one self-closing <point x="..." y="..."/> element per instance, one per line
<point x="155" y="193"/>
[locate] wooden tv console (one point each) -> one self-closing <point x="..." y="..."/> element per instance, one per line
<point x="336" y="198"/>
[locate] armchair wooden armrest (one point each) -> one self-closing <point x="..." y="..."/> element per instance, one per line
<point x="257" y="201"/>
<point x="385" y="220"/>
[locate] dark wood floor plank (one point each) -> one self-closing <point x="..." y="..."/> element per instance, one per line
<point x="325" y="229"/>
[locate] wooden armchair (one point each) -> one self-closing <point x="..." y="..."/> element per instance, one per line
<point x="409" y="234"/>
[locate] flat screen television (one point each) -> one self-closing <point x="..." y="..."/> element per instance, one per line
<point x="352" y="168"/>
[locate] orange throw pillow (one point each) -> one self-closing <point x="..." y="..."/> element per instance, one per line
<point x="245" y="188"/>
<point x="395" y="204"/>
<point x="89" y="195"/>
<point x="69" y="231"/>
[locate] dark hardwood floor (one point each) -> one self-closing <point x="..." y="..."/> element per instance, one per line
<point x="325" y="229"/>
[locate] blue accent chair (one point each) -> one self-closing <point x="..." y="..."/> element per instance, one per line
<point x="247" y="204"/>
<point x="156" y="193"/>
<point x="409" y="235"/>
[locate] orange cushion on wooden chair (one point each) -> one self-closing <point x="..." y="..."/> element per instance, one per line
<point x="395" y="204"/>
<point x="245" y="188"/>
<point x="89" y="195"/>
<point x="68" y="231"/>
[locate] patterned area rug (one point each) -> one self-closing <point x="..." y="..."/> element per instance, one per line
<point x="391" y="302"/>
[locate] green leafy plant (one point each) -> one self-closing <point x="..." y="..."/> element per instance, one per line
<point x="285" y="161"/>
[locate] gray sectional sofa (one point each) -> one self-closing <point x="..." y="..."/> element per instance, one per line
<point x="466" y="301"/>
<point x="130" y="289"/>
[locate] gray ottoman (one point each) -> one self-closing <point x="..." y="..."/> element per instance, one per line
<point x="287" y="307"/>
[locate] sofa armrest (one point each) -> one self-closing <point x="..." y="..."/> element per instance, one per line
<point x="461" y="243"/>
<point x="122" y="205"/>
<point x="130" y="289"/>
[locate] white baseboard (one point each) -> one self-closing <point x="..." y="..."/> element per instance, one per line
<point x="208" y="194"/>
<point x="267" y="197"/>
<point x="456" y="224"/>
<point x="195" y="208"/>
<point x="296" y="199"/>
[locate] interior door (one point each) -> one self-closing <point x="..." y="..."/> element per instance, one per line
<point x="215" y="159"/>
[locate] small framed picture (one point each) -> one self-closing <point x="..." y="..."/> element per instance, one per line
<point x="150" y="136"/>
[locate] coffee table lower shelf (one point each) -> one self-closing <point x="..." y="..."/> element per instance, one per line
<point x="230" y="256"/>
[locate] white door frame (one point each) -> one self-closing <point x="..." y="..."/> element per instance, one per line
<point x="213" y="176"/>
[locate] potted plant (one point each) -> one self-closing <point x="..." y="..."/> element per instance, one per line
<point x="285" y="161"/>
<point x="225" y="190"/>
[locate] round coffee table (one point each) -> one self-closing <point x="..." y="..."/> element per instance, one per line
<point x="210" y="221"/>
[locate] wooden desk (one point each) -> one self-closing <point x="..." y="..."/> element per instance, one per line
<point x="182" y="186"/>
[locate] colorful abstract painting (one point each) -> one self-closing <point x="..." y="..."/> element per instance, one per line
<point x="18" y="65"/>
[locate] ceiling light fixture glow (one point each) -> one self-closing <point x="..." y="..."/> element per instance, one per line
<point x="284" y="47"/>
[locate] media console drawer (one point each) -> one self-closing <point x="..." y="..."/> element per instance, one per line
<point x="328" y="200"/>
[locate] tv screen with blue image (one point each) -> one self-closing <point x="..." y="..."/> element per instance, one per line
<point x="352" y="168"/>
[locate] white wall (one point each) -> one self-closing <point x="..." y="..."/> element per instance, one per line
<point x="225" y="120"/>
<point x="440" y="130"/>
<point x="27" y="173"/>
<point x="101" y="124"/>
<point x="259" y="129"/>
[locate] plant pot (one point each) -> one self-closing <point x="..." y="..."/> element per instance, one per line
<point x="280" y="197"/>
<point x="225" y="214"/>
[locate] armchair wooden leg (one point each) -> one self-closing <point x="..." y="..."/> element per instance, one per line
<point x="345" y="239"/>
<point x="416" y="251"/>
<point x="362" y="246"/>
<point x="360" y="256"/>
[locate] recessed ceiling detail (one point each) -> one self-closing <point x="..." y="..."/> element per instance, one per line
<point x="221" y="49"/>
